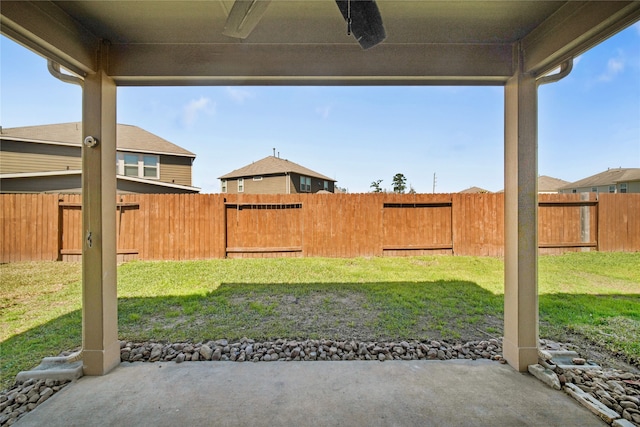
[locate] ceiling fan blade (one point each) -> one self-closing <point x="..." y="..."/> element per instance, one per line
<point x="244" y="16"/>
<point x="366" y="22"/>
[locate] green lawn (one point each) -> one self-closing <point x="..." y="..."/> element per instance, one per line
<point x="595" y="296"/>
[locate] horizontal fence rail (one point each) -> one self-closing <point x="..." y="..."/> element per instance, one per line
<point x="200" y="226"/>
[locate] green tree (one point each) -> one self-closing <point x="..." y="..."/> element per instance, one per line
<point x="399" y="183"/>
<point x="376" y="186"/>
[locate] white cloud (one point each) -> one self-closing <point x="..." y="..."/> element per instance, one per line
<point x="192" y="110"/>
<point x="614" y="67"/>
<point x="239" y="95"/>
<point x="324" y="112"/>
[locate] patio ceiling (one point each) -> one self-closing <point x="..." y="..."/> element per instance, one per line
<point x="305" y="42"/>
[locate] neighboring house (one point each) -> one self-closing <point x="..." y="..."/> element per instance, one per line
<point x="548" y="184"/>
<point x="48" y="159"/>
<point x="475" y="190"/>
<point x="273" y="175"/>
<point x="620" y="180"/>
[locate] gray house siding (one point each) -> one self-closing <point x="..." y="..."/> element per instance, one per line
<point x="19" y="157"/>
<point x="277" y="184"/>
<point x="272" y="184"/>
<point x="632" y="187"/>
<point x="175" y="170"/>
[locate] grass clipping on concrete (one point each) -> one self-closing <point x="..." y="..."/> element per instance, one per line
<point x="590" y="298"/>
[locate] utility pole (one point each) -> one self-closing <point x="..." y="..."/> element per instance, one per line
<point x="434" y="182"/>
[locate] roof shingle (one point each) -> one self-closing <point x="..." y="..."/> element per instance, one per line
<point x="608" y="177"/>
<point x="271" y="166"/>
<point x="474" y="190"/>
<point x="550" y="184"/>
<point x="130" y="138"/>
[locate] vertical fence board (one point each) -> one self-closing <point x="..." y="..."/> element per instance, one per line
<point x="633" y="228"/>
<point x="197" y="230"/>
<point x="43" y="227"/>
<point x="37" y="234"/>
<point x="4" y="243"/>
<point x="12" y="227"/>
<point x="185" y="232"/>
<point x="154" y="243"/>
<point x="147" y="213"/>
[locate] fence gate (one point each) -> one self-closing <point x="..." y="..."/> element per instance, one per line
<point x="70" y="230"/>
<point x="567" y="224"/>
<point x="263" y="229"/>
<point x="417" y="228"/>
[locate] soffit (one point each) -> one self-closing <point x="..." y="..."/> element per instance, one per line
<point x="309" y="22"/>
<point x="164" y="42"/>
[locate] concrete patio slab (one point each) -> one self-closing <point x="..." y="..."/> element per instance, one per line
<point x="354" y="393"/>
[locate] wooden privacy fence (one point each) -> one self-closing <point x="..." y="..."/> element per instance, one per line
<point x="201" y="226"/>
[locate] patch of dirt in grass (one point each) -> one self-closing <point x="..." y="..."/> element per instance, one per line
<point x="352" y="315"/>
<point x="322" y="315"/>
<point x="424" y="263"/>
<point x="458" y="328"/>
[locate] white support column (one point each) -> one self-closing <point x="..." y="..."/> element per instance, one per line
<point x="99" y="298"/>
<point x="520" y="344"/>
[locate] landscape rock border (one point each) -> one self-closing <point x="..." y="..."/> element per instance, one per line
<point x="246" y="350"/>
<point x="611" y="394"/>
<point x="26" y="396"/>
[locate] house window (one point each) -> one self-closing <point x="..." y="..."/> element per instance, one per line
<point x="223" y="185"/>
<point x="130" y="165"/>
<point x="257" y="178"/>
<point x="240" y="185"/>
<point x="612" y="189"/>
<point x="623" y="187"/>
<point x="138" y="165"/>
<point x="574" y="190"/>
<point x="305" y="184"/>
<point x="150" y="166"/>
<point x="594" y="189"/>
<point x="326" y="186"/>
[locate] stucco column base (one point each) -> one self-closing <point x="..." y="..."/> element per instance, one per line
<point x="101" y="362"/>
<point x="519" y="358"/>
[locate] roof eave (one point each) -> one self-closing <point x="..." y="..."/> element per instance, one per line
<point x="79" y="172"/>
<point x="79" y="145"/>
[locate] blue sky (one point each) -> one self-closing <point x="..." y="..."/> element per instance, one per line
<point x="588" y="122"/>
